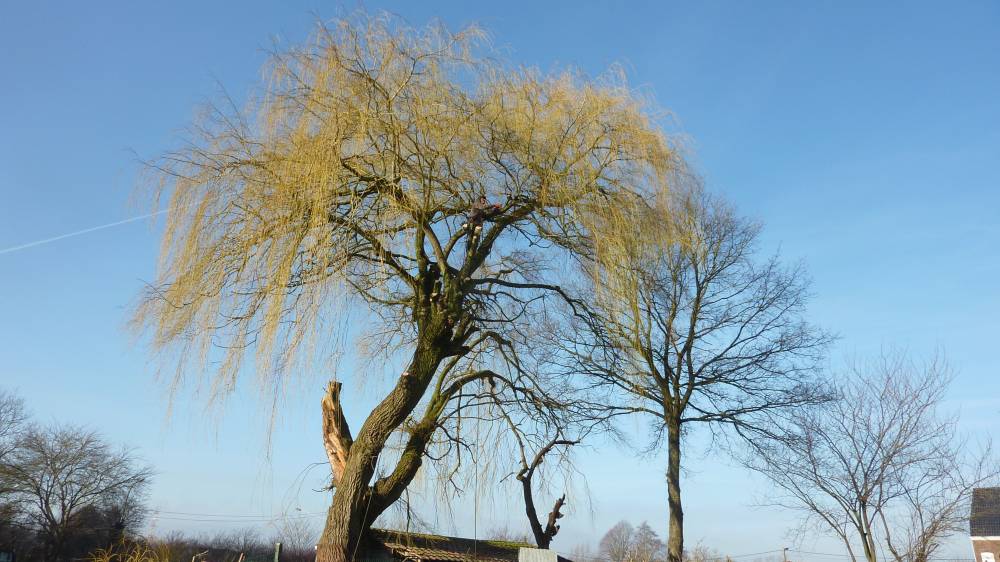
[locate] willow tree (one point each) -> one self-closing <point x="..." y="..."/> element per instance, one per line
<point x="352" y="181"/>
<point x="691" y="328"/>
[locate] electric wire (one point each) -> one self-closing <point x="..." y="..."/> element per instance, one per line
<point x="227" y="518"/>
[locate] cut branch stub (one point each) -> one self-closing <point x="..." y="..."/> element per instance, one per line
<point x="337" y="438"/>
<point x="552" y="527"/>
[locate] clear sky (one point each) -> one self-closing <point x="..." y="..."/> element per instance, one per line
<point x="865" y="136"/>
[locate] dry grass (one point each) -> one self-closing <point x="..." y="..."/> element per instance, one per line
<point x="131" y="552"/>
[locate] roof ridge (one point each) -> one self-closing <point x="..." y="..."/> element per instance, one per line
<point x="430" y="536"/>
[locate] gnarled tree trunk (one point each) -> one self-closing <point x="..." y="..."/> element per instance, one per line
<point x="356" y="502"/>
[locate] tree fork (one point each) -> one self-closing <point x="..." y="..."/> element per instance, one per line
<point x="355" y="503"/>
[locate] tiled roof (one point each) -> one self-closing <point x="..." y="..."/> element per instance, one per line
<point x="985" y="518"/>
<point x="437" y="548"/>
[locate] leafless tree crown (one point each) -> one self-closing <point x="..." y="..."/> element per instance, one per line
<point x="882" y="464"/>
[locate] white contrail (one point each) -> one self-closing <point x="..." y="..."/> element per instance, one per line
<point x="79" y="232"/>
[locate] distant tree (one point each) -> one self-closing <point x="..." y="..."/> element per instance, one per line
<point x="692" y="328"/>
<point x="179" y="546"/>
<point x="134" y="551"/>
<point x="702" y="553"/>
<point x="69" y="482"/>
<point x="14" y="534"/>
<point x="509" y="535"/>
<point x="298" y="536"/>
<point x="881" y="463"/>
<point x="12" y="422"/>
<point x="625" y="543"/>
<point x="616" y="544"/>
<point x="646" y="545"/>
<point x="243" y="540"/>
<point x="409" y="173"/>
<point x="582" y="552"/>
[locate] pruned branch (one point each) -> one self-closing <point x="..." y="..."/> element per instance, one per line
<point x="337" y="438"/>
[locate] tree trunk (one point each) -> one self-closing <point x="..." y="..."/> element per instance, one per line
<point x="355" y="503"/>
<point x="675" y="540"/>
<point x="869" y="545"/>
<point x="867" y="537"/>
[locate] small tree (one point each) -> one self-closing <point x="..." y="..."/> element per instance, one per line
<point x="616" y="544"/>
<point x="581" y="552"/>
<point x="530" y="462"/>
<point x="298" y="536"/>
<point x="64" y="477"/>
<point x="542" y="435"/>
<point x="13" y="535"/>
<point x="880" y="463"/>
<point x="646" y="545"/>
<point x="625" y="543"/>
<point x="507" y="535"/>
<point x="702" y="553"/>
<point x="692" y="329"/>
<point x="12" y="422"/>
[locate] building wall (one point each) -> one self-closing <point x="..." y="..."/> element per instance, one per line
<point x="542" y="555"/>
<point x="987" y="549"/>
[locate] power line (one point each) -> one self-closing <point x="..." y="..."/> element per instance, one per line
<point x="225" y="518"/>
<point x="753" y="554"/>
<point x="848" y="556"/>
<point x="80" y="232"/>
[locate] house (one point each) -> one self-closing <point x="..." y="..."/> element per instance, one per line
<point x="984" y="524"/>
<point x="417" y="547"/>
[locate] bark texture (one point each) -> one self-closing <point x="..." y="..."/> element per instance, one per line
<point x="675" y="542"/>
<point x="336" y="433"/>
<point x="357" y="503"/>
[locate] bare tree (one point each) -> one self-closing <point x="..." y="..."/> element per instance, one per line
<point x="625" y="543"/>
<point x="582" y="552"/>
<point x="543" y="434"/>
<point x="507" y="535"/>
<point x="693" y="329"/>
<point x="12" y="422"/>
<point x="881" y="463"/>
<point x="646" y="545"/>
<point x="242" y="541"/>
<point x="401" y="171"/>
<point x="616" y="544"/>
<point x="543" y="534"/>
<point x="59" y="475"/>
<point x="702" y="553"/>
<point x="298" y="536"/>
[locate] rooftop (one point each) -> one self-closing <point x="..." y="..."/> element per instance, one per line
<point x="437" y="548"/>
<point x="984" y="521"/>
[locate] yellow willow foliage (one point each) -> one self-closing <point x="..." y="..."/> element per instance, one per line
<point x="663" y="242"/>
<point x="361" y="158"/>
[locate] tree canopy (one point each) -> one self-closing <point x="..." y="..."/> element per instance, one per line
<point x="414" y="174"/>
<point x="352" y="173"/>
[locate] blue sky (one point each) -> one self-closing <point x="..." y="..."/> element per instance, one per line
<point x="865" y="136"/>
